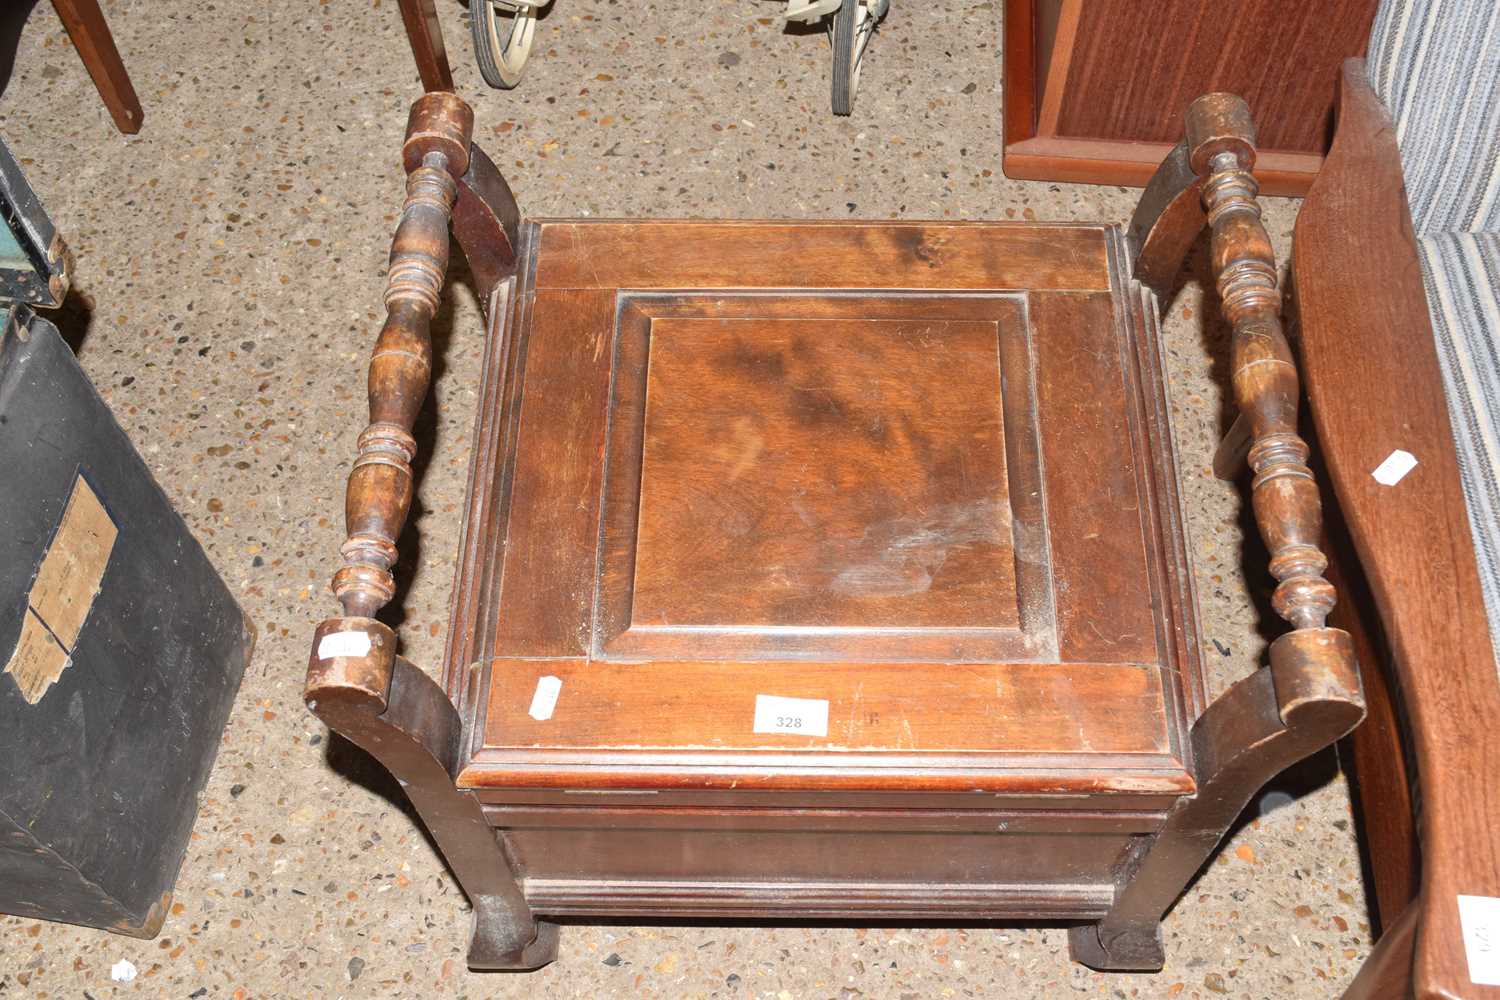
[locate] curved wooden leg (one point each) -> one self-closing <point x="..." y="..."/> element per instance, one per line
<point x="90" y="34"/>
<point x="1268" y="721"/>
<point x="426" y="37"/>
<point x="402" y="718"/>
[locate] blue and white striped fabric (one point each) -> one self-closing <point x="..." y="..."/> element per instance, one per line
<point x="1436" y="66"/>
<point x="1462" y="273"/>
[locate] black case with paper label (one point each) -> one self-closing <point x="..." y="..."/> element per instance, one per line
<point x="121" y="648"/>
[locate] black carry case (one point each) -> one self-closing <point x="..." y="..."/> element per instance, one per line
<point x="121" y="649"/>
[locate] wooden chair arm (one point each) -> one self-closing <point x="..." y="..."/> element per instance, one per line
<point x="1288" y="510"/>
<point x="1310" y="695"/>
<point x="1375" y="384"/>
<point x="379" y="492"/>
<point x="357" y="683"/>
<point x="449" y="183"/>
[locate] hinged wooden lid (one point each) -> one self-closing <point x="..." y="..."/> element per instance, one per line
<point x="914" y="477"/>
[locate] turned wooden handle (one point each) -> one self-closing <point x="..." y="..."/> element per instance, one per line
<point x="378" y="496"/>
<point x="1221" y="150"/>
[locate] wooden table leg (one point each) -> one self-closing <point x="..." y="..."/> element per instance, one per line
<point x="96" y="47"/>
<point x="426" y="37"/>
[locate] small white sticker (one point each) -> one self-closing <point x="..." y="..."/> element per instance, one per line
<point x="797" y="716"/>
<point x="1395" y="467"/>
<point x="343" y="644"/>
<point x="1479" y="916"/>
<point x="545" y="698"/>
<point x="122" y="971"/>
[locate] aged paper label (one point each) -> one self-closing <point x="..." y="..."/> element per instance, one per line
<point x="38" y="659"/>
<point x="62" y="593"/>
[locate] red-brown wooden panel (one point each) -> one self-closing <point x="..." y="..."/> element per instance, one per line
<point x="1094" y="511"/>
<point x="691" y="724"/>
<point x="1131" y="77"/>
<point x="547" y="589"/>
<point x="807" y="476"/>
<point x="926" y="255"/>
<point x="913" y="492"/>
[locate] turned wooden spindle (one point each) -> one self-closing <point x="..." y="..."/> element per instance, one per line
<point x="1310" y="695"/>
<point x="378" y="497"/>
<point x="1221" y="146"/>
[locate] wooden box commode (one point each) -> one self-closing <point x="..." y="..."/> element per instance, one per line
<point x="826" y="570"/>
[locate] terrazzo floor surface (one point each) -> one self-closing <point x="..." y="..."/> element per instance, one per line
<point x="230" y="262"/>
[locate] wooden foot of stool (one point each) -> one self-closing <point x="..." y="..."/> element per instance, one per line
<point x="1129" y="949"/>
<point x="1309" y="697"/>
<point x="402" y="718"/>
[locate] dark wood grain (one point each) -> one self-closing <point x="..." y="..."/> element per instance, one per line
<point x="1374" y="384"/>
<point x="1132" y="164"/>
<point x="892" y="472"/>
<point x="788" y="434"/>
<point x="1128" y="80"/>
<point x="1383" y="785"/>
<point x="1094" y="506"/>
<point x="984" y="723"/>
<point x="546" y="594"/>
<point x="1094" y="93"/>
<point x="928" y="255"/>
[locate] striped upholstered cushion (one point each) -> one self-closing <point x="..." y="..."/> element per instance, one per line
<point x="1462" y="273"/>
<point x="1436" y="66"/>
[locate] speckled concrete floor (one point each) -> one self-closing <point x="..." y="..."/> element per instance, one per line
<point x="229" y="271"/>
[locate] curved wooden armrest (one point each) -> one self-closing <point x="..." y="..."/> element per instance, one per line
<point x="1310" y="695"/>
<point x="356" y="682"/>
<point x="1375" y="383"/>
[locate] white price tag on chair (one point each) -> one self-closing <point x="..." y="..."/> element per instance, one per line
<point x="1479" y="917"/>
<point x="1395" y="467"/>
<point x="336" y="644"/>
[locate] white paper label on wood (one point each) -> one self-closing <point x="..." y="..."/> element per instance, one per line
<point x="343" y="644"/>
<point x="1395" y="467"/>
<point x="545" y="699"/>
<point x="796" y="716"/>
<point x="1479" y="917"/>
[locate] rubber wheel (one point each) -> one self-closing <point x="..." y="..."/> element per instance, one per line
<point x="501" y="42"/>
<point x="845" y="52"/>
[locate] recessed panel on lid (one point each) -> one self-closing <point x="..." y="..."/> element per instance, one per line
<point x="813" y="481"/>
